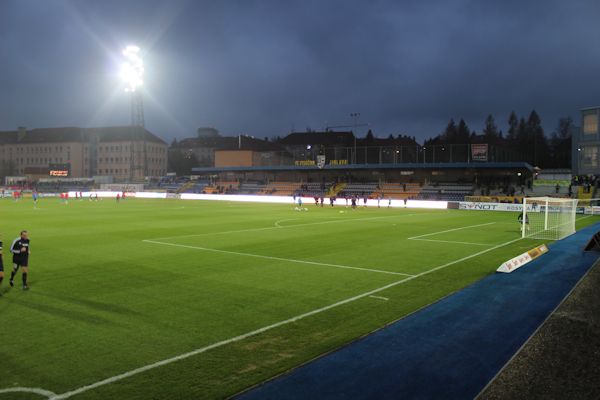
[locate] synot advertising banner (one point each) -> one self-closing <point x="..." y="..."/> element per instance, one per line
<point x="475" y="206"/>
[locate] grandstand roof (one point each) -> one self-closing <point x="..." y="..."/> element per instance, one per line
<point x="74" y="134"/>
<point x="404" y="166"/>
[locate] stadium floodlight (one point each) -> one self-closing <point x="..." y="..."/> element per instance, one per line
<point x="132" y="68"/>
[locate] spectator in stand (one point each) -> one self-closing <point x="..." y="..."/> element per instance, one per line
<point x="557" y="188"/>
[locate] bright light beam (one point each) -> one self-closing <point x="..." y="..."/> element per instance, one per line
<point x="132" y="69"/>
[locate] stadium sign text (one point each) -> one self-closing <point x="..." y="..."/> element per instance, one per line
<point x="312" y="163"/>
<point x="467" y="205"/>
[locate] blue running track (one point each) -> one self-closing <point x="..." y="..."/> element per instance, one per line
<point x="449" y="350"/>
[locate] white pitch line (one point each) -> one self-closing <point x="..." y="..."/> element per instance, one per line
<point x="201" y="350"/>
<point x="287" y="226"/>
<point x="275" y="258"/>
<point x="451" y="230"/>
<point x="452" y="241"/>
<point x="277" y="223"/>
<point x="379" y="298"/>
<point x="41" y="392"/>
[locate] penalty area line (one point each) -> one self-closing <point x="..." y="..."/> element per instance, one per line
<point x="450" y="230"/>
<point x="380" y="271"/>
<point x="451" y="241"/>
<point x="201" y="350"/>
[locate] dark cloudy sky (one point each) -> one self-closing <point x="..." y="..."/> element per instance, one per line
<point x="265" y="67"/>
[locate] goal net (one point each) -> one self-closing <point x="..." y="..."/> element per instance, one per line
<point x="548" y="217"/>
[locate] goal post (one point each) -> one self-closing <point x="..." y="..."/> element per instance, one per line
<point x="550" y="218"/>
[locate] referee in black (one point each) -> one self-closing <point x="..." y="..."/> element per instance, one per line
<point x="20" y="251"/>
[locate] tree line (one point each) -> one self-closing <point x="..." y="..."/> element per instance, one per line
<point x="525" y="140"/>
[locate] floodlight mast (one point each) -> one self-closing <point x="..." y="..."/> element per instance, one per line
<point x="132" y="72"/>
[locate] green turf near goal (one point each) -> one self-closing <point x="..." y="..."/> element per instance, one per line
<point x="548" y="217"/>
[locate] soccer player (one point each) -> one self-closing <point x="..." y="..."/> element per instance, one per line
<point x="520" y="218"/>
<point x="20" y="251"/>
<point x="34" y="196"/>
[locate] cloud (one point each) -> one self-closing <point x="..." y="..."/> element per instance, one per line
<point x="263" y="67"/>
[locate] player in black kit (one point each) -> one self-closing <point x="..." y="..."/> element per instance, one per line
<point x="20" y="251"/>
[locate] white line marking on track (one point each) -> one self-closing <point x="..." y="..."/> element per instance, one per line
<point x="41" y="392"/>
<point x="275" y="258"/>
<point x="379" y="298"/>
<point x="291" y="226"/>
<point x="451" y="241"/>
<point x="201" y="350"/>
<point x="451" y="230"/>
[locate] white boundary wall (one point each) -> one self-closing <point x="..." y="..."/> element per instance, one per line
<point x="307" y="201"/>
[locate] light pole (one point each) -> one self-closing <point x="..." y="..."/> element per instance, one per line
<point x="132" y="72"/>
<point x="355" y="116"/>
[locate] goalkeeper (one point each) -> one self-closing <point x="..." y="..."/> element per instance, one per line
<point x="521" y="217"/>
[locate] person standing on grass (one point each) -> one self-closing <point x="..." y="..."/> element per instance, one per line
<point x="20" y="251"/>
<point x="523" y="222"/>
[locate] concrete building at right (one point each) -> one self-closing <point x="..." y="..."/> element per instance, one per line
<point x="586" y="143"/>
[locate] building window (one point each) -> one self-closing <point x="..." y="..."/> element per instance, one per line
<point x="590" y="124"/>
<point x="590" y="156"/>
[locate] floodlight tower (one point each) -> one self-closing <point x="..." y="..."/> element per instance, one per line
<point x="132" y="72"/>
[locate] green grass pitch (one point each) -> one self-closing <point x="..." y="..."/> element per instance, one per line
<point x="242" y="292"/>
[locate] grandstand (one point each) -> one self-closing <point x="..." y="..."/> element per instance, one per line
<point x="450" y="191"/>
